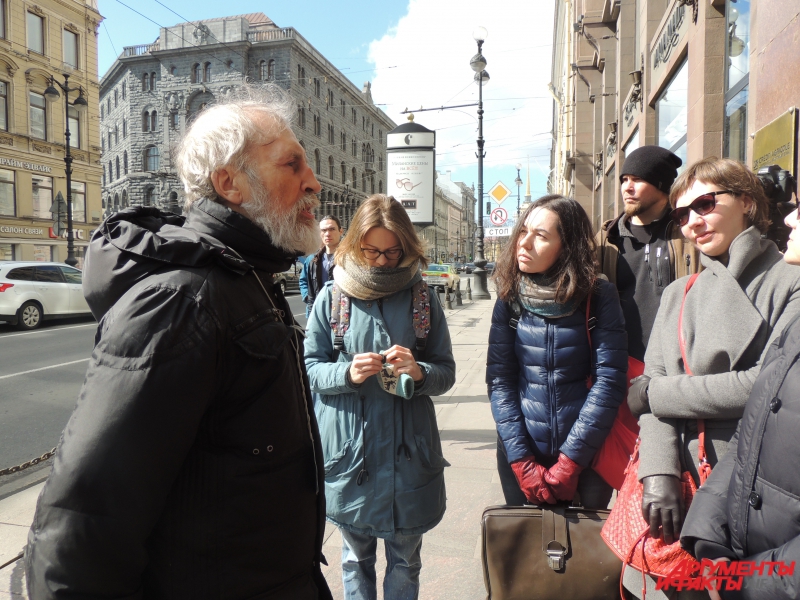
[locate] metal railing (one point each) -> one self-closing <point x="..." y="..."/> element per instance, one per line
<point x="140" y="50"/>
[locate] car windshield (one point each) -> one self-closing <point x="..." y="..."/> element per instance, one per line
<point x="438" y="268"/>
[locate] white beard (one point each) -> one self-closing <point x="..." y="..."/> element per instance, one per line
<point x="286" y="230"/>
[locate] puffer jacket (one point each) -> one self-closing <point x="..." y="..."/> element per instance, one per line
<point x="191" y="467"/>
<point x="537" y="379"/>
<point x="749" y="509"/>
<point x="365" y="426"/>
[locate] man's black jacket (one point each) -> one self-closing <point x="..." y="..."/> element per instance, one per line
<point x="191" y="467"/>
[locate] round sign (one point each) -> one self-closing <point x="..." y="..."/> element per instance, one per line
<point x="499" y="216"/>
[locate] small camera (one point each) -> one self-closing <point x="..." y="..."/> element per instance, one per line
<point x="779" y="187"/>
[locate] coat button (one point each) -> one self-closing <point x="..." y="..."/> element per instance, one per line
<point x="775" y="404"/>
<point x="754" y="500"/>
<point x="269" y="448"/>
<point x="369" y="304"/>
<point x="256" y="451"/>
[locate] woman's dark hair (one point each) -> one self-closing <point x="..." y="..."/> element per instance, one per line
<point x="574" y="272"/>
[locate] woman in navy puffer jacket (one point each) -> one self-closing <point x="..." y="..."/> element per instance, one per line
<point x="549" y="423"/>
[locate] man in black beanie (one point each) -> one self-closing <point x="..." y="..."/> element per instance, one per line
<point x="642" y="251"/>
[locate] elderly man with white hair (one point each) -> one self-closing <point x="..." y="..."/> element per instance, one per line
<point x="191" y="467"/>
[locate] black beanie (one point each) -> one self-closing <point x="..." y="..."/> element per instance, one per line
<point x="654" y="164"/>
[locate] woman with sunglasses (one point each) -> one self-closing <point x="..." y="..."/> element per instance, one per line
<point x="730" y="314"/>
<point x="372" y="368"/>
<point x="554" y="394"/>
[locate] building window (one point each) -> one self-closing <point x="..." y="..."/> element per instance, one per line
<point x="116" y="98"/>
<point x="102" y="111"/>
<point x="363" y="123"/>
<point x="174" y="120"/>
<point x="343" y="141"/>
<point x="317" y="163"/>
<point x="354" y="147"/>
<point x="70" y="48"/>
<point x="152" y="82"/>
<point x="196" y="73"/>
<point x="38" y="113"/>
<point x="146" y="121"/>
<point x="380" y="186"/>
<point x="74" y="128"/>
<point x="151" y="157"/>
<point x="301" y="117"/>
<point x="344" y="173"/>
<point x="116" y="161"/>
<point x="207" y="72"/>
<point x="154" y="121"/>
<point x="102" y="143"/>
<point x="110" y="143"/>
<point x="331" y="134"/>
<point x="35" y="30"/>
<point x="330" y="98"/>
<point x="124" y="90"/>
<point x="737" y="80"/>
<point x="262" y="70"/>
<point x="145" y="82"/>
<point x="331" y="168"/>
<point x="355" y="178"/>
<point x="3" y="104"/>
<point x="317" y="92"/>
<point x="78" y="201"/>
<point x="7" y="204"/>
<point x="108" y="106"/>
<point x="42" y="195"/>
<point x="148" y="197"/>
<point x="271" y="70"/>
<point x="2" y="19"/>
<point x="341" y="106"/>
<point x="125" y="162"/>
<point x="353" y="114"/>
<point x="380" y="162"/>
<point x="671" y="113"/>
<point x="124" y="129"/>
<point x="633" y="143"/>
<point x="317" y="125"/>
<point x="173" y="70"/>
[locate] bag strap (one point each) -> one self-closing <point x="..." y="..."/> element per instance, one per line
<point x="340" y="316"/>
<point x="703" y="467"/>
<point x="555" y="543"/>
<point x="421" y="314"/>
<point x="516" y="311"/>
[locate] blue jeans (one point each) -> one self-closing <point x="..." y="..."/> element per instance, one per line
<point x="403" y="564"/>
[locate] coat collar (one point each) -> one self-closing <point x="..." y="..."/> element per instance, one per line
<point x="745" y="247"/>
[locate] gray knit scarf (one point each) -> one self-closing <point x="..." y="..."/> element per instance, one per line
<point x="370" y="283"/>
<point x="537" y="294"/>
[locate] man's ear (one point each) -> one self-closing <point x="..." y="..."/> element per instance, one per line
<point x="230" y="185"/>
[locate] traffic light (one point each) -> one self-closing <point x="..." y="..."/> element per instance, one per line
<point x="488" y="208"/>
<point x="59" y="211"/>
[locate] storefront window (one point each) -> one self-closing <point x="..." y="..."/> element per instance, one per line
<point x="42" y="197"/>
<point x="43" y="253"/>
<point x="7" y="205"/>
<point x="671" y="113"/>
<point x="737" y="55"/>
<point x="78" y="201"/>
<point x="611" y="191"/>
<point x="6" y="252"/>
<point x="633" y="144"/>
<point x="735" y="138"/>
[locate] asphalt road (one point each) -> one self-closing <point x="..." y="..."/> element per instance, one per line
<point x="41" y="373"/>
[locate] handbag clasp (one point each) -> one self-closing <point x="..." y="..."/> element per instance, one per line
<point x="556" y="555"/>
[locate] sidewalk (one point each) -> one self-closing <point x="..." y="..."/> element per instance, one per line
<point x="451" y="553"/>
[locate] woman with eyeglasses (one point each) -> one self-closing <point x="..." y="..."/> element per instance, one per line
<point x="728" y="315"/>
<point x="377" y="348"/>
<point x="554" y="392"/>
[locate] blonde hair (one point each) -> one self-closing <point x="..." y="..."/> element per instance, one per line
<point x="384" y="211"/>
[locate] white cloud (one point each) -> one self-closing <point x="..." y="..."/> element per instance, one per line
<point x="424" y="61"/>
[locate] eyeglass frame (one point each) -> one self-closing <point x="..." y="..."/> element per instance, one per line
<point x="678" y="214"/>
<point x="383" y="252"/>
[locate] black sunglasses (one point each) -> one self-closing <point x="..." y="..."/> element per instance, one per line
<point x="702" y="205"/>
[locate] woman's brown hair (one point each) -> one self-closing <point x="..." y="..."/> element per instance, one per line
<point x="730" y="175"/>
<point x="384" y="211"/>
<point x="574" y="271"/>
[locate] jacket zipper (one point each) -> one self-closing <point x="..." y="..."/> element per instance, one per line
<point x="658" y="266"/>
<point x="647" y="260"/>
<point x="550" y="391"/>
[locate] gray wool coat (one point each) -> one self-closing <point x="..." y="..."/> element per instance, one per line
<point x="731" y="316"/>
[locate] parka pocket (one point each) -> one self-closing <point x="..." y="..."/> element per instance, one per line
<point x="265" y="342"/>
<point x="336" y="463"/>
<point x="431" y="460"/>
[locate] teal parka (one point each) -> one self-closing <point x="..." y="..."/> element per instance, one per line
<point x="365" y="426"/>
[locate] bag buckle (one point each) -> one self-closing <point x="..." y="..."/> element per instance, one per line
<point x="556" y="556"/>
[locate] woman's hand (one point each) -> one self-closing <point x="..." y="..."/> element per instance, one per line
<point x="403" y="362"/>
<point x="662" y="506"/>
<point x="364" y="366"/>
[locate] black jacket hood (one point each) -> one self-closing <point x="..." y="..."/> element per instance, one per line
<point x="136" y="242"/>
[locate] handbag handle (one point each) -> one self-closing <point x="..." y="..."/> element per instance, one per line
<point x="704" y="468"/>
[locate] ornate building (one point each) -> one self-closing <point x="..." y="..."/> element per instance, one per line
<point x="152" y="91"/>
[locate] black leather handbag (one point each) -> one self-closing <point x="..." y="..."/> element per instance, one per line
<point x="547" y="553"/>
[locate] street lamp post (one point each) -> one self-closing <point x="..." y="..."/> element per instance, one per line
<point x="478" y="63"/>
<point x="80" y="104"/>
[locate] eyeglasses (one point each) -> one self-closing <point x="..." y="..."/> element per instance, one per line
<point x="390" y="254"/>
<point x="702" y="205"/>
<point x="406" y="183"/>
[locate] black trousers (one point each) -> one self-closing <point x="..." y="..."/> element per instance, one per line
<point x="593" y="491"/>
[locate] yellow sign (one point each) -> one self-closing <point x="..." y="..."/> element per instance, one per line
<point x="774" y="144"/>
<point x="499" y="192"/>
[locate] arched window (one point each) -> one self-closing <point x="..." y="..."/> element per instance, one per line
<point x="116" y="98"/>
<point x="153" y="121"/>
<point x="116" y="160"/>
<point x="380" y="186"/>
<point x="125" y="162"/>
<point x="151" y="158"/>
<point x="116" y="202"/>
<point x="173" y="70"/>
<point x="174" y="120"/>
<point x="124" y="90"/>
<point x="116" y="134"/>
<point x="148" y="197"/>
<point x="124" y="198"/>
<point x="354" y="180"/>
<point x="196" y="75"/>
<point x="364" y="182"/>
<point x="207" y="72"/>
<point x="344" y="173"/>
<point x="271" y="70"/>
<point x="173" y="201"/>
<point x="152" y="82"/>
<point x="262" y="70"/>
<point x="145" y="82"/>
<point x="146" y="121"/>
<point x="331" y="170"/>
<point x="124" y="128"/>
<point x="317" y="162"/>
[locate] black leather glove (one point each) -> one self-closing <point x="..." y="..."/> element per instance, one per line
<point x="638" y="401"/>
<point x="662" y="506"/>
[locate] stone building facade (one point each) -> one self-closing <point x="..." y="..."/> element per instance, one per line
<point x="152" y="91"/>
<point x="40" y="41"/>
<point x="451" y="237"/>
<point x="701" y="78"/>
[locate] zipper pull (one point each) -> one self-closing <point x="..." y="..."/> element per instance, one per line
<point x="647" y="260"/>
<point x="658" y="266"/>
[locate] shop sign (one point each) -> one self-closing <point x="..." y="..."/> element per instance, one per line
<point x="774" y="144"/>
<point x="21" y="230"/>
<point x="673" y="32"/>
<point x="411" y="177"/>
<point x="77" y="234"/>
<point x="19" y="164"/>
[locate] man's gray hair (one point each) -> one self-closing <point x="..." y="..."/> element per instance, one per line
<point x="221" y="135"/>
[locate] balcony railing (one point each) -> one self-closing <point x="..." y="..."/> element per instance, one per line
<point x="140" y="50"/>
<point x="271" y="35"/>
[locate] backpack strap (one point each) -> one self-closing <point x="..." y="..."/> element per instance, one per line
<point x="340" y="317"/>
<point x="516" y="311"/>
<point x="421" y="313"/>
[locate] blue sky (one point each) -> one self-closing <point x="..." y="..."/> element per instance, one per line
<point x="416" y="53"/>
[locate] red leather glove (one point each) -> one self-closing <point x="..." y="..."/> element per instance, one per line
<point x="563" y="477"/>
<point x="530" y="477"/>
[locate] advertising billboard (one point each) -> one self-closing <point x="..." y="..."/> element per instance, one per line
<point x="410" y="179"/>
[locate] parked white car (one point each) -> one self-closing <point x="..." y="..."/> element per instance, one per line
<point x="32" y="292"/>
